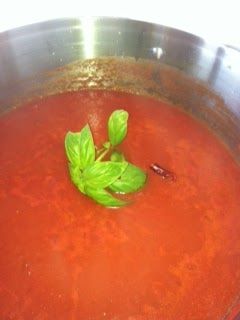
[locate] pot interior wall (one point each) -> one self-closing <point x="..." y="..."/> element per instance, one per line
<point x="138" y="57"/>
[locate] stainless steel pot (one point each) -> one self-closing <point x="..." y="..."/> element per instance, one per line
<point x="28" y="52"/>
<point x="46" y="58"/>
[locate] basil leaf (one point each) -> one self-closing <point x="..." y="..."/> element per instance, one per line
<point x="117" y="126"/>
<point x="80" y="148"/>
<point x="74" y="173"/>
<point x="72" y="147"/>
<point x="117" y="157"/>
<point x="102" y="174"/>
<point x="103" y="197"/>
<point x="76" y="177"/>
<point x="91" y="175"/>
<point x="132" y="179"/>
<point x="87" y="148"/>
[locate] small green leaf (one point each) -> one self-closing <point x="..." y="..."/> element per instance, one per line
<point x="80" y="148"/>
<point x="74" y="173"/>
<point x="117" y="157"/>
<point x="132" y="179"/>
<point x="103" y="197"/>
<point x="102" y="174"/>
<point x="87" y="148"/>
<point x="117" y="126"/>
<point x="72" y="147"/>
<point x="76" y="177"/>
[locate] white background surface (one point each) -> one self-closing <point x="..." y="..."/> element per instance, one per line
<point x="217" y="21"/>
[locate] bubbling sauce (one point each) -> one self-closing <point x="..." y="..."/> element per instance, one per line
<point x="174" y="253"/>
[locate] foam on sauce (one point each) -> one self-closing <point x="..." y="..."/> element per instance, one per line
<point x="173" y="254"/>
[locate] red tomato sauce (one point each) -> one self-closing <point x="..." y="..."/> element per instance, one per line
<point x="174" y="253"/>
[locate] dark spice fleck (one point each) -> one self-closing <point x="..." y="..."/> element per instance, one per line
<point x="162" y="172"/>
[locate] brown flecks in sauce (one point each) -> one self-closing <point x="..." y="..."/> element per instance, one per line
<point x="172" y="254"/>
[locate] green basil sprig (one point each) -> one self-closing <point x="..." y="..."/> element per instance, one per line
<point x="99" y="178"/>
<point x="117" y="127"/>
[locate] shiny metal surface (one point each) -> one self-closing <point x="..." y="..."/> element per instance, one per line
<point x="27" y="53"/>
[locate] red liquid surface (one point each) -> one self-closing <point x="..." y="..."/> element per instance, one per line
<point x="173" y="254"/>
